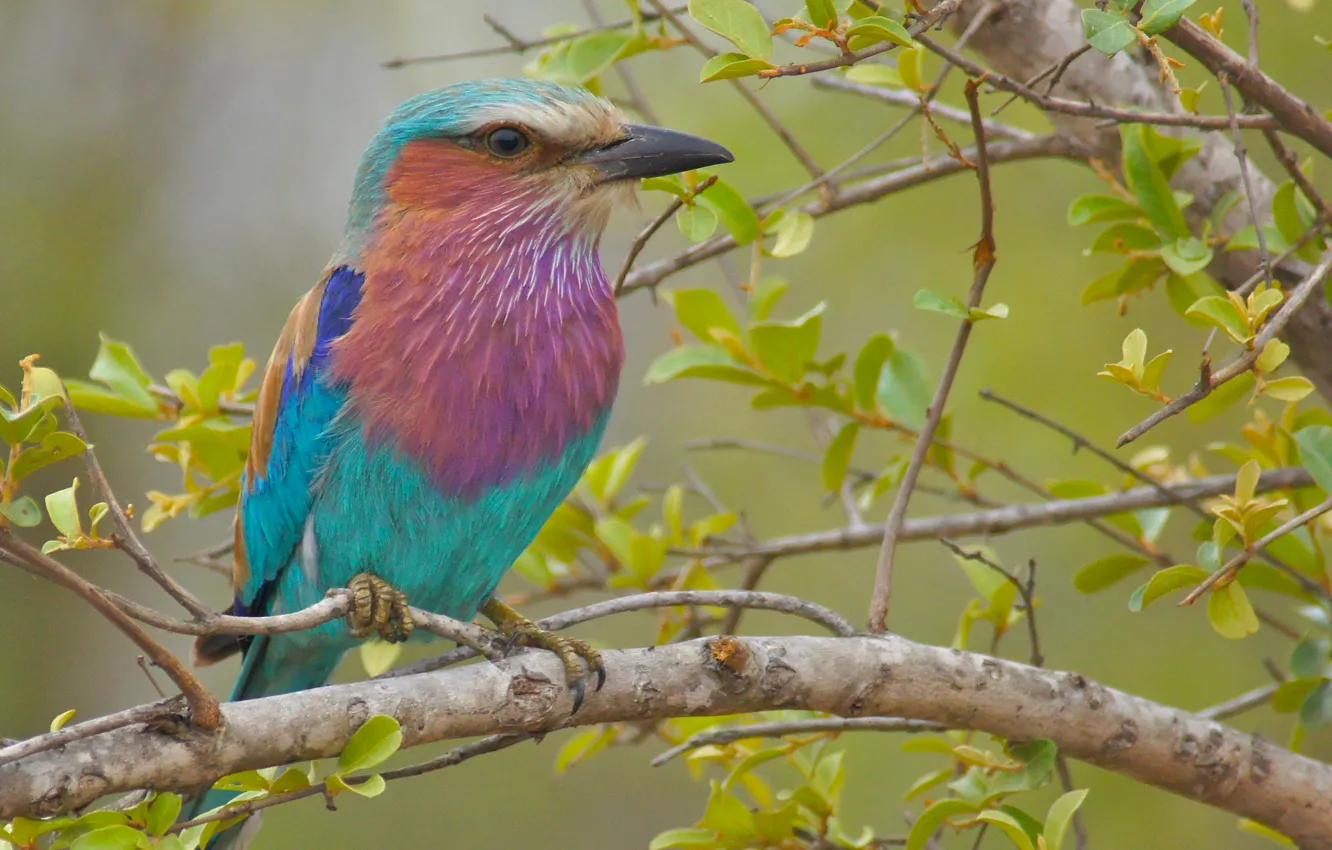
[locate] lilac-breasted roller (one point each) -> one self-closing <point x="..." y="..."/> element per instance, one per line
<point x="440" y="390"/>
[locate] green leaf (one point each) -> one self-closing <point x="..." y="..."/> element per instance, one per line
<point x="701" y="361"/>
<point x="933" y="818"/>
<point x="837" y="459"/>
<point x="17" y="426"/>
<point x="736" y="21"/>
<point x="1009" y="826"/>
<point x="53" y="448"/>
<point x="1293" y="216"/>
<point x="1125" y="237"/>
<point x="1221" y="398"/>
<point x="1293" y="388"/>
<point x="1148" y="182"/>
<point x="59" y="721"/>
<point x="731" y="207"/>
<point x="378" y="656"/>
<point x="97" y="399"/>
<point x="903" y="392"/>
<point x="928" y="781"/>
<point x="1038" y="759"/>
<point x="63" y="508"/>
<point x="1186" y="256"/>
<point x="376" y="740"/>
<point x="23" y="512"/>
<point x="1166" y="581"/>
<point x="794" y="233"/>
<point x="687" y="837"/>
<point x="701" y="310"/>
<point x="933" y="302"/>
<point x="869" y="365"/>
<point x="730" y="66"/>
<point x="876" y="29"/>
<point x="592" y="54"/>
<point x="869" y="74"/>
<point x="1316" y="710"/>
<point x="1230" y="612"/>
<point x="1107" y="32"/>
<point x="911" y="68"/>
<point x="822" y="13"/>
<point x="1315" y="444"/>
<point x="118" y="368"/>
<point x="994" y="311"/>
<point x="163" y="812"/>
<point x="583" y="745"/>
<point x="765" y="296"/>
<point x="115" y="837"/>
<point x="1222" y="312"/>
<point x="1092" y="208"/>
<point x="1160" y="15"/>
<point x="786" y="348"/>
<point x="696" y="222"/>
<point x="1060" y="816"/>
<point x="371" y="786"/>
<point x="726" y="814"/>
<point x="1104" y="572"/>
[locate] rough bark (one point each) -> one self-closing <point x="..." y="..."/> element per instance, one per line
<point x="852" y="676"/>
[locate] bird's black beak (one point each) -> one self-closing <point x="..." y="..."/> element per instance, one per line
<point x="652" y="152"/>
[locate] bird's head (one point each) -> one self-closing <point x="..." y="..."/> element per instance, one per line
<point x="516" y="147"/>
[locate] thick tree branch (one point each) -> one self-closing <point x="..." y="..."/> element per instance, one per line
<point x="854" y="676"/>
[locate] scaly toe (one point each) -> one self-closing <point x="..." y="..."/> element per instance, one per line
<point x="378" y="607"/>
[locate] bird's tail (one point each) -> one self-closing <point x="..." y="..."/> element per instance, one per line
<point x="273" y="665"/>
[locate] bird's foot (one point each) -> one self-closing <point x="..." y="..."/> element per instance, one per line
<point x="378" y="606"/>
<point x="569" y="650"/>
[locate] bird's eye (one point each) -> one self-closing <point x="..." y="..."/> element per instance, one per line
<point x="507" y="142"/>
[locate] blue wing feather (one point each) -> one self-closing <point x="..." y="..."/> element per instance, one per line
<point x="275" y="509"/>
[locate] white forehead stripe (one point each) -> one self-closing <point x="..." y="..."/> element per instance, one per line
<point x="568" y="124"/>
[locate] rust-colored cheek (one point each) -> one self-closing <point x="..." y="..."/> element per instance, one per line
<point x="439" y="173"/>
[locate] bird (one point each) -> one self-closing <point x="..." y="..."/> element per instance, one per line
<point x="439" y="392"/>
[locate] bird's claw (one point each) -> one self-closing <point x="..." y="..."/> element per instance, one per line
<point x="378" y="606"/>
<point x="572" y="652"/>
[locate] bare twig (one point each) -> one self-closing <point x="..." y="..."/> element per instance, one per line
<point x="1292" y="114"/>
<point x="983" y="259"/>
<point x="517" y="45"/>
<point x="1088" y="110"/>
<point x="812" y="726"/>
<point x="1024" y="592"/>
<point x="1242" y="156"/>
<point x="1240" y="704"/>
<point x="901" y="97"/>
<point x="640" y="241"/>
<point x="203" y="705"/>
<point x="125" y="538"/>
<point x="1240" y="364"/>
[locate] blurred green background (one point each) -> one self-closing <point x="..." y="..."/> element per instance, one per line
<point x="175" y="174"/>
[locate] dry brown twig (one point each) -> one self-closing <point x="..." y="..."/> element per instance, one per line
<point x="983" y="259"/>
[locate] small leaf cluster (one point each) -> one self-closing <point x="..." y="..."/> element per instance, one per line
<point x="583" y="57"/>
<point x="744" y="810"/>
<point x="145" y="826"/>
<point x="704" y="205"/>
<point x="207" y="433"/>
<point x="981" y="783"/>
<point x="848" y="24"/>
<point x="30" y="440"/>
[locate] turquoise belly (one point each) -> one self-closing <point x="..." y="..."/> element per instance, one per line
<point x="378" y="512"/>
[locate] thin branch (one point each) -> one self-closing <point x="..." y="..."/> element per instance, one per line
<point x="811" y="611"/>
<point x="1240" y="704"/>
<point x="1292" y="167"/>
<point x="983" y="259"/>
<point x="860" y="193"/>
<point x="1242" y="157"/>
<point x="1024" y="592"/>
<point x="640" y="241"/>
<point x="516" y="45"/>
<point x="812" y="726"/>
<point x="1292" y="114"/>
<point x="1014" y="517"/>
<point x="1235" y="564"/>
<point x="203" y="705"/>
<point x="1088" y="110"/>
<point x="901" y="97"/>
<point x="1240" y="364"/>
<point x="125" y="538"/>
